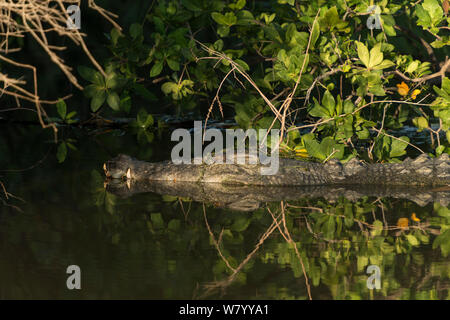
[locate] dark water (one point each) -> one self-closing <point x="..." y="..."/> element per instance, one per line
<point x="151" y="246"/>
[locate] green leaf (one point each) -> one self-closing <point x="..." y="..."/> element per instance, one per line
<point x="284" y="58"/>
<point x="319" y="111"/>
<point x="228" y="19"/>
<point x="363" y="134"/>
<point x="383" y="65"/>
<point x="240" y="224"/>
<point x="348" y="213"/>
<point x="348" y="106"/>
<point x="113" y="101"/>
<point x="157" y="220"/>
<point x="174" y="225"/>
<point x="71" y="146"/>
<point x="245" y="17"/>
<point x="314" y="149"/>
<point x="412" y="66"/>
<point x="113" y="81"/>
<point x="71" y="114"/>
<point x="135" y="30"/>
<point x="363" y="53"/>
<point x="377" y="90"/>
<point x="361" y="262"/>
<point x="446" y="85"/>
<point x="441" y="210"/>
<point x="440" y="150"/>
<point x="98" y="100"/>
<point x="192" y="5"/>
<point x="329" y="102"/>
<point x="398" y="147"/>
<point x="421" y="123"/>
<point x="169" y="87"/>
<point x="293" y="135"/>
<point x="331" y="18"/>
<point x="218" y="18"/>
<point x="99" y="80"/>
<point x="445" y="41"/>
<point x="412" y="240"/>
<point x="223" y="31"/>
<point x="290" y="2"/>
<point x="149" y="121"/>
<point x="443" y="241"/>
<point x="218" y="45"/>
<point x="329" y="228"/>
<point x="87" y="73"/>
<point x="238" y="5"/>
<point x="242" y="64"/>
<point x="424" y="18"/>
<point x="388" y="23"/>
<point x="329" y="146"/>
<point x="125" y="102"/>
<point x="378" y="228"/>
<point x="434" y="10"/>
<point x="61" y="152"/>
<point x="91" y="90"/>
<point x="173" y="64"/>
<point x="141" y="116"/>
<point x="315" y="32"/>
<point x="144" y="119"/>
<point x="156" y="69"/>
<point x="115" y="34"/>
<point x="376" y="56"/>
<point x="61" y="108"/>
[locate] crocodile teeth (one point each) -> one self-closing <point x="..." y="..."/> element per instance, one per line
<point x="105" y="169"/>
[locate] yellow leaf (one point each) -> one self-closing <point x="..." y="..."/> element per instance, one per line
<point x="403" y="89"/>
<point x="403" y="222"/>
<point x="414" y="218"/>
<point x="300" y="149"/>
<point x="415" y="93"/>
<point x="302" y="155"/>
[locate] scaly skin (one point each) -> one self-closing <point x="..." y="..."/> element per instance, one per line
<point x="422" y="171"/>
<point x="250" y="198"/>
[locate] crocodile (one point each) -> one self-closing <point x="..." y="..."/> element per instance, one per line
<point x="243" y="188"/>
<point x="422" y="171"/>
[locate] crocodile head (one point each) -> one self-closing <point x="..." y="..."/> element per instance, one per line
<point x="118" y="168"/>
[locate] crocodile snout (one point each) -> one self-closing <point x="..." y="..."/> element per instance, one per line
<point x="114" y="172"/>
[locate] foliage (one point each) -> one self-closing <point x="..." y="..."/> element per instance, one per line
<point x="347" y="89"/>
<point x="360" y="87"/>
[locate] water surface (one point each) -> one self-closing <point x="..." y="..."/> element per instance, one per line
<point x="156" y="246"/>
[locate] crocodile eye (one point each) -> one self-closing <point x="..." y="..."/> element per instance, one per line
<point x="127" y="176"/>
